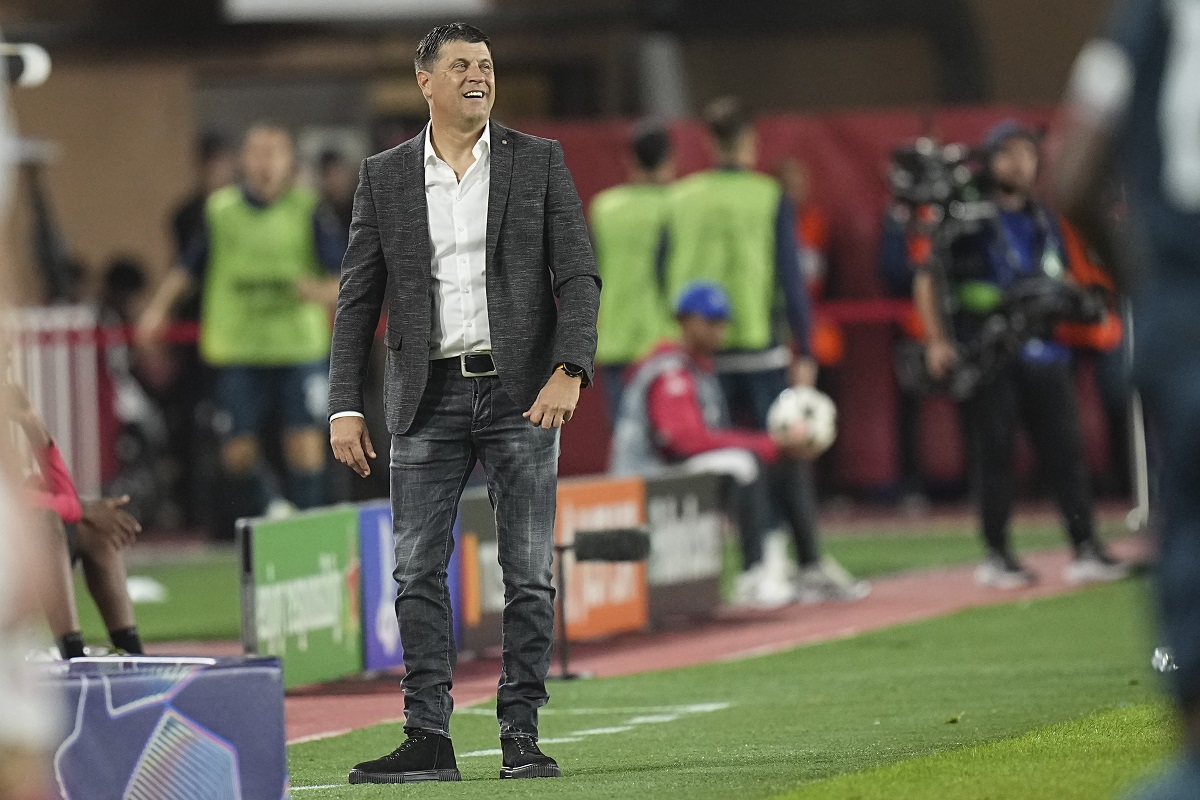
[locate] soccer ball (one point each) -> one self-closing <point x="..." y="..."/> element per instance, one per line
<point x="812" y="410"/>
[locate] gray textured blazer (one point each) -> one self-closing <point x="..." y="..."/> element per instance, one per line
<point x="543" y="288"/>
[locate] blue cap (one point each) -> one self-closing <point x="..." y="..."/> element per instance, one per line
<point x="703" y="299"/>
<point x="1007" y="129"/>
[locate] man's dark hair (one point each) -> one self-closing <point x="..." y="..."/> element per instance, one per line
<point x="727" y="119"/>
<point x="125" y="275"/>
<point x="212" y="145"/>
<point x="431" y="46"/>
<point x="651" y="146"/>
<point x="328" y="159"/>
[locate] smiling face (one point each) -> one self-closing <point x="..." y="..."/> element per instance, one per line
<point x="460" y="86"/>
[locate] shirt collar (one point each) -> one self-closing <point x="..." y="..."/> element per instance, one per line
<point x="483" y="145"/>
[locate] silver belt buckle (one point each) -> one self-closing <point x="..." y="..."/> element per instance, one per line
<point x="462" y="363"/>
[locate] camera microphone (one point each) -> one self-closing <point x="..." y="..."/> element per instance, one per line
<point x="25" y="64"/>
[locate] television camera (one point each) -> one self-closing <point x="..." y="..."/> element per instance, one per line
<point x="940" y="195"/>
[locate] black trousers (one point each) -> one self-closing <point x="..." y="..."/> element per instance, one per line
<point x="1042" y="396"/>
<point x="782" y="489"/>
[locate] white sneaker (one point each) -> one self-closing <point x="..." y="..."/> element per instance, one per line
<point x="1000" y="572"/>
<point x="758" y="588"/>
<point x="44" y="655"/>
<point x="776" y="559"/>
<point x="1093" y="565"/>
<point x="279" y="508"/>
<point x="829" y="580"/>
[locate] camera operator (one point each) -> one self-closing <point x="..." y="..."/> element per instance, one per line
<point x="1022" y="240"/>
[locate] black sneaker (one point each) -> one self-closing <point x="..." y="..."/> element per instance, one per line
<point x="422" y="757"/>
<point x="523" y="759"/>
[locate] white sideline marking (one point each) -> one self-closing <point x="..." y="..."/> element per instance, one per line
<point x="604" y="731"/>
<point x="673" y="713"/>
<point x="691" y="708"/>
<point x="494" y="752"/>
<point x="474" y="753"/>
<point x="316" y="737"/>
<point x="651" y="719"/>
<point x="643" y="715"/>
<point x="326" y="786"/>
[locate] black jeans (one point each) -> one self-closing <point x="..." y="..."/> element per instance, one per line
<point x="784" y="492"/>
<point x="1043" y="397"/>
<point x="785" y="488"/>
<point x="461" y="420"/>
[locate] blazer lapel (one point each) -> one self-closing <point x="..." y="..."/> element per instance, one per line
<point x="501" y="178"/>
<point x="414" y="213"/>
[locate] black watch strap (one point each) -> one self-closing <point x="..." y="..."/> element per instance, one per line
<point x="572" y="370"/>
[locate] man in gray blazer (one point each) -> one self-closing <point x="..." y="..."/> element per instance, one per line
<point x="474" y="237"/>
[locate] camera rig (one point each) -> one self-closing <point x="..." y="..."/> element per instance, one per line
<point x="940" y="195"/>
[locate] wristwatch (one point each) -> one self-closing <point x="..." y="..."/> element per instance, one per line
<point x="571" y="370"/>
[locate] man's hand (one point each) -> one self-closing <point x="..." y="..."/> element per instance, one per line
<point x="317" y="290"/>
<point x="352" y="443"/>
<point x="555" y="403"/>
<point x="803" y="372"/>
<point x="940" y="358"/>
<point x="152" y="324"/>
<point x="151" y="327"/>
<point x="105" y="523"/>
<point x="794" y="442"/>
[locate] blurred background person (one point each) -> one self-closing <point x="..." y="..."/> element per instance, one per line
<point x="736" y="227"/>
<point x="216" y="168"/>
<point x="1037" y="388"/>
<point x="811" y="224"/>
<point x="674" y="413"/>
<point x="627" y="228"/>
<point x="267" y="262"/>
<point x="896" y="272"/>
<point x="813" y="243"/>
<point x="30" y="725"/>
<point x="93" y="534"/>
<point x="174" y="374"/>
<point x="147" y="467"/>
<point x="337" y="179"/>
<point x="1132" y="102"/>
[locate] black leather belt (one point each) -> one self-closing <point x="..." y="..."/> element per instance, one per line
<point x="471" y="365"/>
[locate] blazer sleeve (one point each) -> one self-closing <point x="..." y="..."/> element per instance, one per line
<point x="360" y="300"/>
<point x="572" y="263"/>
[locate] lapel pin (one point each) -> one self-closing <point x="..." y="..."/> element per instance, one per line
<point x="504" y="141"/>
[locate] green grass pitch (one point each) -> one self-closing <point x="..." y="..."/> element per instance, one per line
<point x="1046" y="699"/>
<point x="204" y="602"/>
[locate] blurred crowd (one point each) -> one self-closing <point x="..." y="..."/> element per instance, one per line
<point x="239" y="411"/>
<point x="709" y="316"/>
<point x="183" y="432"/>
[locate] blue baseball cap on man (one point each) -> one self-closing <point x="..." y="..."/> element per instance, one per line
<point x="1007" y="129"/>
<point x="703" y="299"/>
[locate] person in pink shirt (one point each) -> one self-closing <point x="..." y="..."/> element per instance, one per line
<point x="674" y="418"/>
<point x="94" y="533"/>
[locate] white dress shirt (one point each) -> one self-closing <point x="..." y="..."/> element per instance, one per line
<point x="458" y="237"/>
<point x="457" y="212"/>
